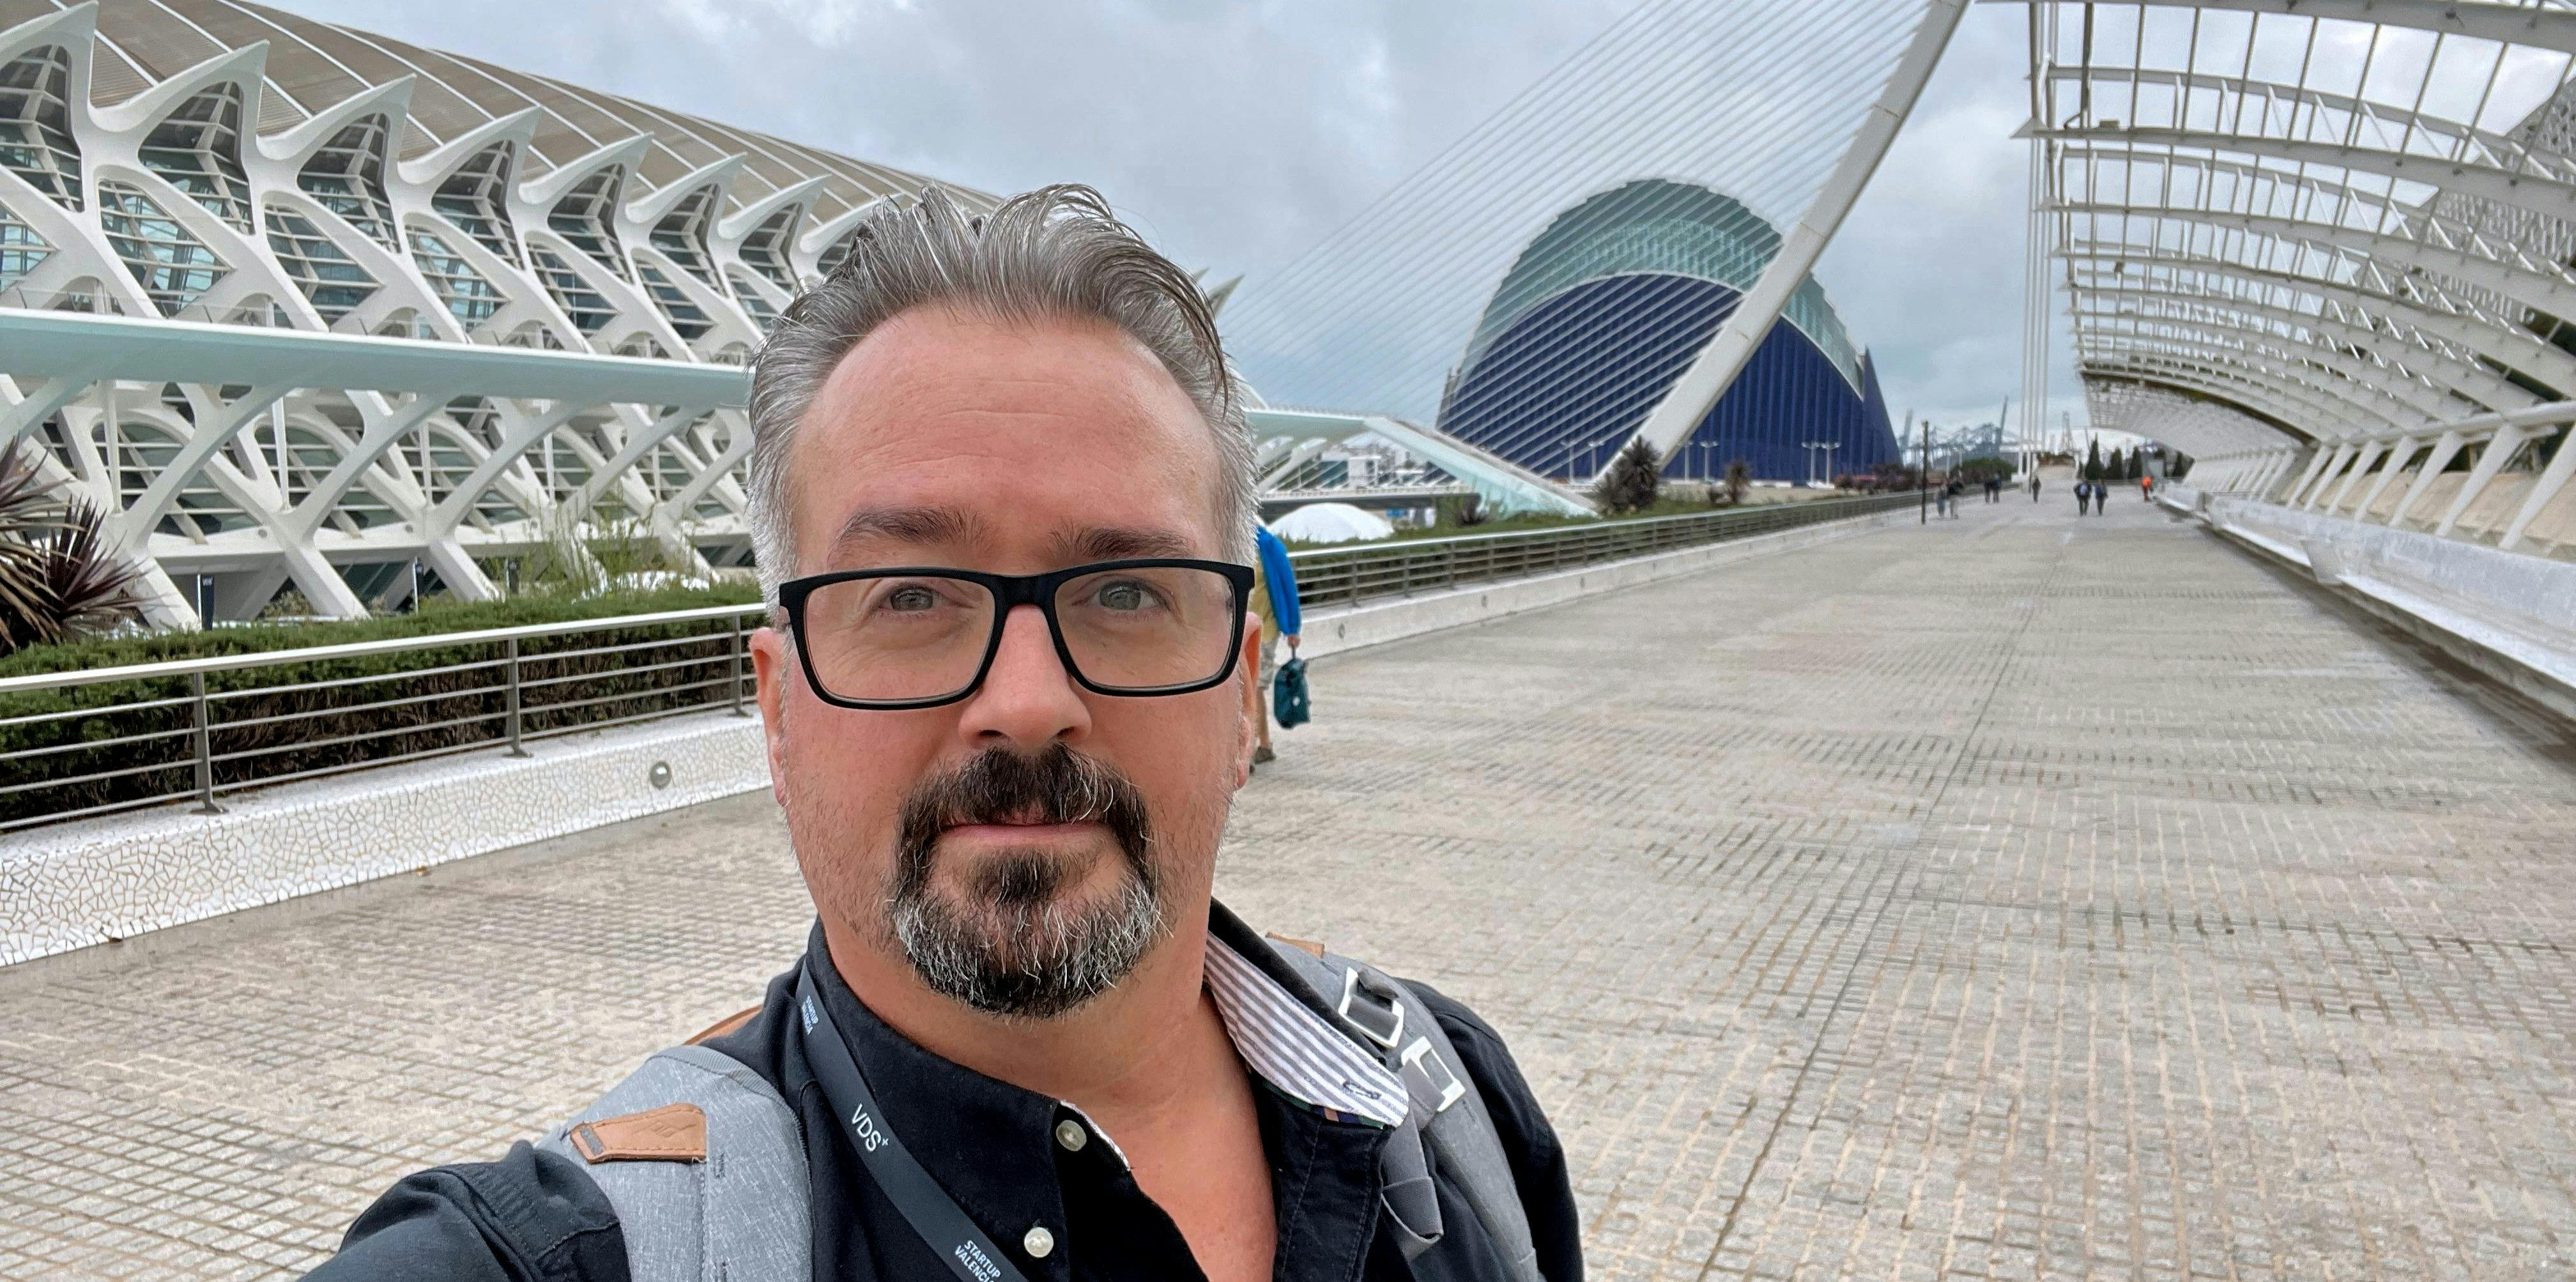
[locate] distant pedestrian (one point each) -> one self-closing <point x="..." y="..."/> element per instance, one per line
<point x="2034" y="487"/>
<point x="1941" y="499"/>
<point x="2083" y="498"/>
<point x="1275" y="599"/>
<point x="1994" y="489"/>
<point x="2147" y="488"/>
<point x="1955" y="488"/>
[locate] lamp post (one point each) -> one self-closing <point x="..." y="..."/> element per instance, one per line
<point x="1592" y="452"/>
<point x="1828" y="447"/>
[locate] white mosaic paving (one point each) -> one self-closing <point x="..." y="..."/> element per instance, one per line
<point x="92" y="881"/>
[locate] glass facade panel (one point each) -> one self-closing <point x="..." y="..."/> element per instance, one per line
<point x="347" y="177"/>
<point x="174" y="268"/>
<point x="36" y="140"/>
<point x="685" y="316"/>
<point x="336" y="284"/>
<point x="21" y="251"/>
<point x="589" y="310"/>
<point x="765" y="249"/>
<point x="476" y="200"/>
<point x="682" y="234"/>
<point x="586" y="219"/>
<point x="753" y="305"/>
<point x="469" y="298"/>
<point x="197" y="149"/>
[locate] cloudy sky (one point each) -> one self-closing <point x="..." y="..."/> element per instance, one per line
<point x="1237" y="135"/>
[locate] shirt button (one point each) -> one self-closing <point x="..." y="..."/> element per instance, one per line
<point x="1038" y="1242"/>
<point x="1070" y="1134"/>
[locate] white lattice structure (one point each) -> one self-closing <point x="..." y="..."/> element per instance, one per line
<point x="194" y="184"/>
<point x="2322" y="246"/>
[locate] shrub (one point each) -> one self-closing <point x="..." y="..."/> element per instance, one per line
<point x="1631" y="482"/>
<point x="451" y="696"/>
<point x="59" y="580"/>
<point x="1464" y="511"/>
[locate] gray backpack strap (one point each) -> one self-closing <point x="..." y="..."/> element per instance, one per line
<point x="739" y="1215"/>
<point x="1448" y="1112"/>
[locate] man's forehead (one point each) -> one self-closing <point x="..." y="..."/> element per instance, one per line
<point x="1065" y="440"/>
<point x="874" y="527"/>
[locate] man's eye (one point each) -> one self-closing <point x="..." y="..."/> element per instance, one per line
<point x="909" y="599"/>
<point x="1128" y="595"/>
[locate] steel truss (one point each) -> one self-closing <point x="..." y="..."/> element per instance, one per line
<point x="2321" y="245"/>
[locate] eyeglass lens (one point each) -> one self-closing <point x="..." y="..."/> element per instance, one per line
<point x="910" y="637"/>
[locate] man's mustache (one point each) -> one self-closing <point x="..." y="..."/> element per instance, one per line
<point x="998" y="786"/>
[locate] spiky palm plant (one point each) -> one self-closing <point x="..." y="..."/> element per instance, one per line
<point x="1631" y="482"/>
<point x="1739" y="477"/>
<point x="59" y="579"/>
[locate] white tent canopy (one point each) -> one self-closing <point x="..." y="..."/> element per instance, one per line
<point x="1331" y="523"/>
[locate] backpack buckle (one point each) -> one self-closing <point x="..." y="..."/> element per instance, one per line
<point x="1428" y="1079"/>
<point x="1380" y="1018"/>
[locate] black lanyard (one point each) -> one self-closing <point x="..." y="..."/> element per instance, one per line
<point x="926" y="1206"/>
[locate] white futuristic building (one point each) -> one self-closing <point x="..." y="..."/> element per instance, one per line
<point x="307" y="309"/>
<point x="2324" y="248"/>
<point x="301" y="306"/>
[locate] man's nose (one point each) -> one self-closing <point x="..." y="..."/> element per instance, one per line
<point x="1028" y="699"/>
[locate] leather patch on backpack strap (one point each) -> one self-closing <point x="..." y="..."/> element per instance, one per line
<point x="723" y="1026"/>
<point x="1307" y="944"/>
<point x="671" y="1133"/>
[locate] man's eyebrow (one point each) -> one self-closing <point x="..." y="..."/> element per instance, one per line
<point x="1119" y="542"/>
<point x="906" y="525"/>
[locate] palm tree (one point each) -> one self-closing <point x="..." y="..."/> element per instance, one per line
<point x="1631" y="482"/>
<point x="59" y="579"/>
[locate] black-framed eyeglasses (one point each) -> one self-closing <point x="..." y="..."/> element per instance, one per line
<point x="919" y="637"/>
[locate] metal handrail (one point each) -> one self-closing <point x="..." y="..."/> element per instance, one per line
<point x="191" y="742"/>
<point x="360" y="649"/>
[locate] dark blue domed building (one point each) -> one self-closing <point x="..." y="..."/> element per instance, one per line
<point x="1609" y="304"/>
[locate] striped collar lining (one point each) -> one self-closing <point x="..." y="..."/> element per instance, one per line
<point x="1293" y="1048"/>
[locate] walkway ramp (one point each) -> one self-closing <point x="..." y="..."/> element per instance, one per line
<point x="2013" y="895"/>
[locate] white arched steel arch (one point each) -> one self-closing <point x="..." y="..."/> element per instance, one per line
<point x="2362" y="234"/>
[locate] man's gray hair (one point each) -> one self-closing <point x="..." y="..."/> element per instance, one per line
<point x="1053" y="253"/>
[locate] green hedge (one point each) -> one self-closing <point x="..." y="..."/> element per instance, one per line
<point x="682" y="666"/>
<point x="435" y="616"/>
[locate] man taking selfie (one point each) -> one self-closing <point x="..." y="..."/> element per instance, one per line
<point x="1001" y="493"/>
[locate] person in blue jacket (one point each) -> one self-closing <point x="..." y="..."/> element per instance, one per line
<point x="1280" y="620"/>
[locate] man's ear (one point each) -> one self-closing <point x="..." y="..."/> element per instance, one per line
<point x="1247" y="671"/>
<point x="773" y="667"/>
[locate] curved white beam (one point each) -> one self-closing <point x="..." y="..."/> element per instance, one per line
<point x="2360" y="384"/>
<point x="2522" y="351"/>
<point x="2551" y="293"/>
<point x="2476" y="382"/>
<point x="1713" y="371"/>
<point x="2542" y="194"/>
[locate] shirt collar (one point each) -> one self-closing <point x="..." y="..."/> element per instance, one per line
<point x="1282" y="1030"/>
<point x="1288" y="1044"/>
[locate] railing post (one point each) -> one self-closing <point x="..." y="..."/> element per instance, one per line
<point x="511" y="648"/>
<point x="205" y="746"/>
<point x="735" y="668"/>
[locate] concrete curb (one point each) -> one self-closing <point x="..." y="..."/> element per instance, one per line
<point x="2511" y="617"/>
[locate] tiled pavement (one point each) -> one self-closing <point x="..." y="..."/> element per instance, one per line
<point x="2014" y="898"/>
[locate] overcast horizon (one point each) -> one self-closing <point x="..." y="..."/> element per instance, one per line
<point x="1236" y="136"/>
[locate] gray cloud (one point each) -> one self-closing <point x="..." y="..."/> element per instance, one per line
<point x="1238" y="134"/>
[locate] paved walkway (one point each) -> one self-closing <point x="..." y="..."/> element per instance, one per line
<point x="2014" y="898"/>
